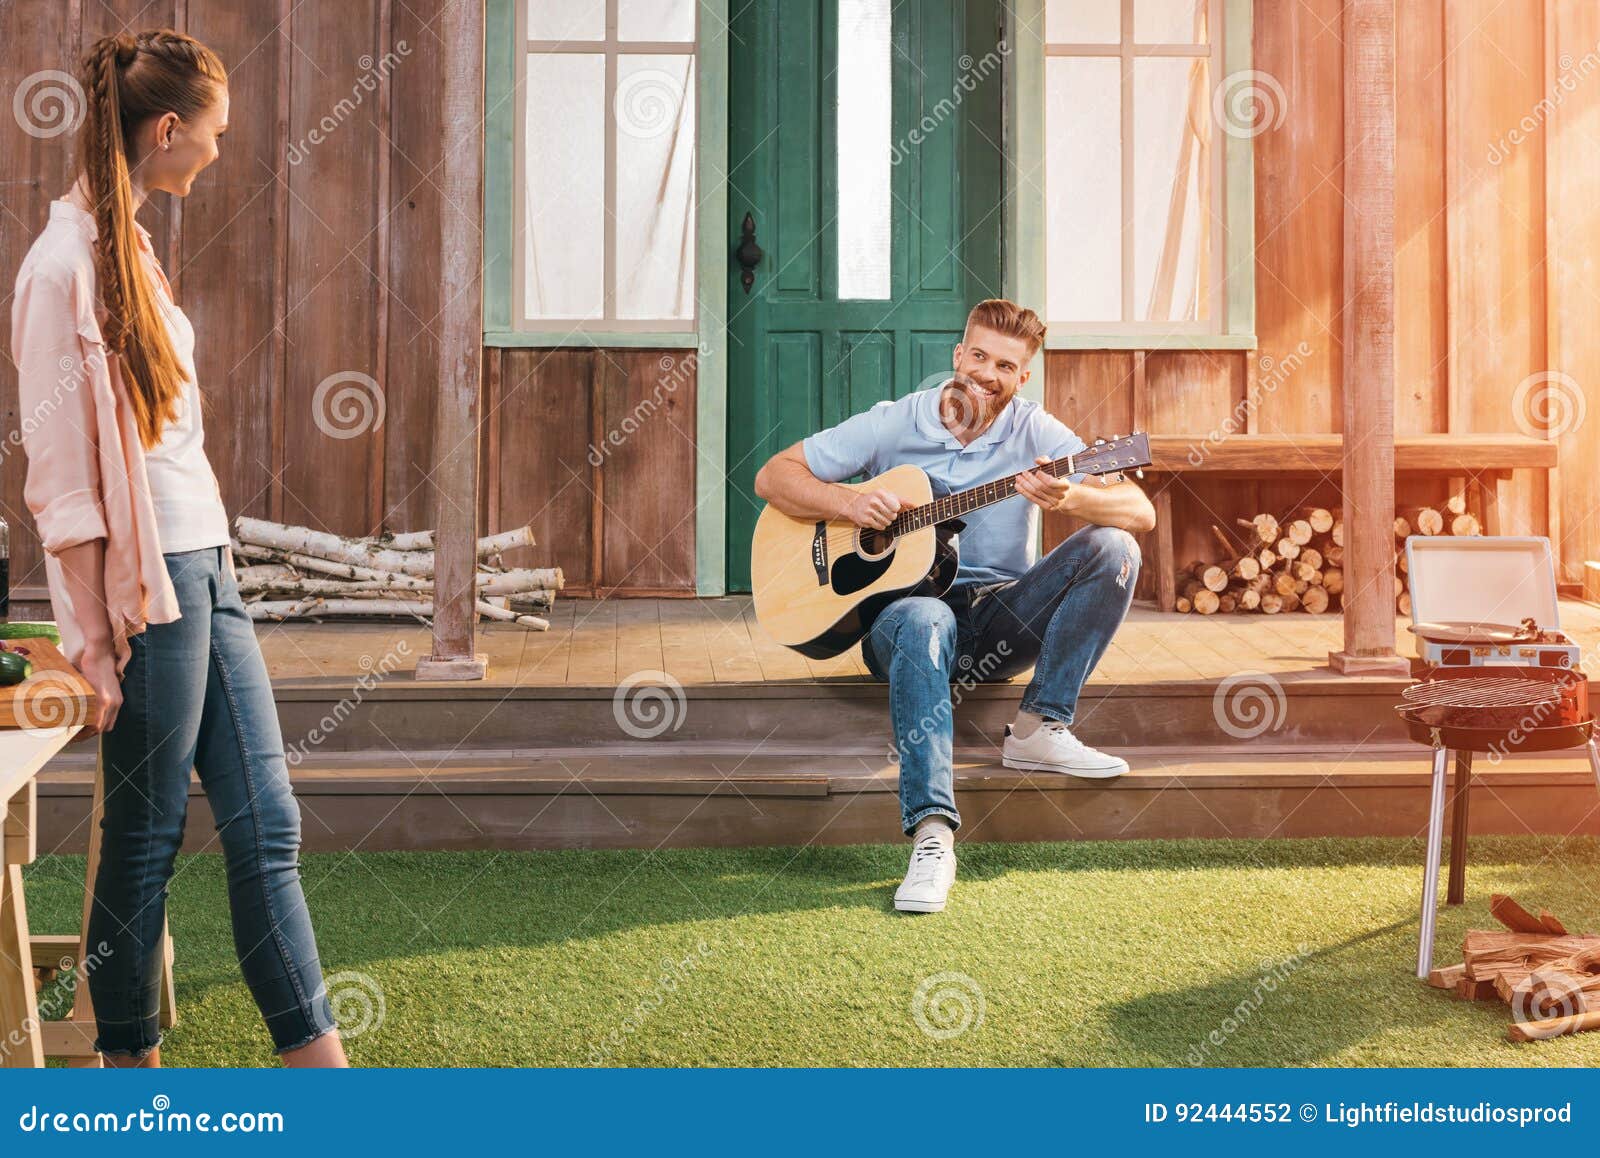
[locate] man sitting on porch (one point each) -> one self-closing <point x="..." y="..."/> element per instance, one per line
<point x="1004" y="612"/>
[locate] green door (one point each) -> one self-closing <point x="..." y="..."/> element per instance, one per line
<point x="865" y="151"/>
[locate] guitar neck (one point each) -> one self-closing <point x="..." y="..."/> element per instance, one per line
<point x="953" y="506"/>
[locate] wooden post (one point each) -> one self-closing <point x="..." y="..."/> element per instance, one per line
<point x="1368" y="338"/>
<point x="455" y="455"/>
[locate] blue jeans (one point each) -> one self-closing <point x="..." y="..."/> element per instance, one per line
<point x="196" y="696"/>
<point x="1058" y="618"/>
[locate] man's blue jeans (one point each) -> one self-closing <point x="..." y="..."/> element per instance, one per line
<point x="1058" y="618"/>
<point x="195" y="694"/>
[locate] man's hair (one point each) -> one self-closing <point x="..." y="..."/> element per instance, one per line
<point x="1006" y="317"/>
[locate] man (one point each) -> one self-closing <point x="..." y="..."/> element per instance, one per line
<point x="1005" y="611"/>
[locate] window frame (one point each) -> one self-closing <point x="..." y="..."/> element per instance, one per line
<point x="1234" y="173"/>
<point x="508" y="47"/>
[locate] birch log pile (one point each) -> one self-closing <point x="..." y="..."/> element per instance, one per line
<point x="288" y="572"/>
<point x="1272" y="564"/>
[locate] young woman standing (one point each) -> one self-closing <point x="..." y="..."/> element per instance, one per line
<point x="136" y="555"/>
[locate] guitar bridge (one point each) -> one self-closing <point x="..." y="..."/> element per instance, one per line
<point x="819" y="553"/>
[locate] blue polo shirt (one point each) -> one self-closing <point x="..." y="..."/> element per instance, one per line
<point x="999" y="540"/>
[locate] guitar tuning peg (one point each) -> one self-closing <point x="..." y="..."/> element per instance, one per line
<point x="1139" y="472"/>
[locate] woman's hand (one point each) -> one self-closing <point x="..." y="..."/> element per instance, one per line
<point x="99" y="666"/>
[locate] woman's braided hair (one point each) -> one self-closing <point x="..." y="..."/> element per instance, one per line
<point x="129" y="79"/>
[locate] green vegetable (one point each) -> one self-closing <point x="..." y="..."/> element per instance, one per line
<point x="13" y="668"/>
<point x="30" y="631"/>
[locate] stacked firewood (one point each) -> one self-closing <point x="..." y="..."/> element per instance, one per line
<point x="288" y="572"/>
<point x="1549" y="977"/>
<point x="1271" y="565"/>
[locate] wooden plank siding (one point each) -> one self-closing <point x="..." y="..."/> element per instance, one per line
<point x="300" y="261"/>
<point x="1494" y="266"/>
<point x="294" y="268"/>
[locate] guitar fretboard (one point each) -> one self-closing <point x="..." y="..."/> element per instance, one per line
<point x="953" y="506"/>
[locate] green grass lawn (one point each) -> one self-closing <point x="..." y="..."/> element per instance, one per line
<point x="1092" y="954"/>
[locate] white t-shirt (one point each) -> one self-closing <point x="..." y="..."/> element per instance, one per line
<point x="188" y="502"/>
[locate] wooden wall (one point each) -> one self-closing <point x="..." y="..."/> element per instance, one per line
<point x="1497" y="244"/>
<point x="298" y="261"/>
<point x="295" y="268"/>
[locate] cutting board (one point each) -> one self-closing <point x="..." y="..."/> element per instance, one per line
<point x="54" y="696"/>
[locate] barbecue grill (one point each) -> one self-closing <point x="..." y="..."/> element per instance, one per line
<point x="1498" y="677"/>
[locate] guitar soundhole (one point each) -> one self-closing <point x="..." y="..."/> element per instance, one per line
<point x="873" y="544"/>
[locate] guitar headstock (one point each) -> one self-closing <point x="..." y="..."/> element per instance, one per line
<point x="1105" y="456"/>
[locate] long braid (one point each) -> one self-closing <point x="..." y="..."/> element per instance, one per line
<point x="127" y="79"/>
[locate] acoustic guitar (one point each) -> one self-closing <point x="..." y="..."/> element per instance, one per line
<point x="819" y="584"/>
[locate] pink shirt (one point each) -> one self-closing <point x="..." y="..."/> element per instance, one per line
<point x="86" y="465"/>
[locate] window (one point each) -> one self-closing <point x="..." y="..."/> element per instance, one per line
<point x="604" y="171"/>
<point x="1139" y="175"/>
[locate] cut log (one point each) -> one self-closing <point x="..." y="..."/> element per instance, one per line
<point x="1402" y="528"/>
<point x="1291" y="602"/>
<point x="1320" y="518"/>
<point x="1182" y="604"/>
<point x="1466" y="524"/>
<point x="1230" y="549"/>
<point x="1513" y="916"/>
<point x="1446" y="977"/>
<point x="1315" y="600"/>
<point x="1283" y="582"/>
<point x="421" y="609"/>
<point x="1271" y="603"/>
<point x="1312" y="557"/>
<point x="1246" y="568"/>
<point x="1227" y="602"/>
<point x="1333" y="580"/>
<point x="1488" y="953"/>
<point x="1299" y="532"/>
<point x="1469" y="990"/>
<point x="1206" y="601"/>
<point x="1333" y="555"/>
<point x="1266" y="558"/>
<point x="1287" y="548"/>
<point x="1425" y="520"/>
<point x="1249" y="599"/>
<point x="1264" y="526"/>
<point x="366" y="553"/>
<point x="1402" y="603"/>
<point x="1553" y="1027"/>
<point x="1212" y="577"/>
<point x="1456" y="504"/>
<point x="1336" y="533"/>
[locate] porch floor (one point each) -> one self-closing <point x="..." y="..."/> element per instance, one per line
<point x="594" y="643"/>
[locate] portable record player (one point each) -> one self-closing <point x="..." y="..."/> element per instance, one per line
<point x="1486" y="601"/>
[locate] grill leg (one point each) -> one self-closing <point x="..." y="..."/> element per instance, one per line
<point x="1456" y="889"/>
<point x="1594" y="760"/>
<point x="1430" y="869"/>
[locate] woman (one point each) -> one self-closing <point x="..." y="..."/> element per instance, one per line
<point x="136" y="554"/>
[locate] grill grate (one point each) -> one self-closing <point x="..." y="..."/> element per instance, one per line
<point x="1488" y="692"/>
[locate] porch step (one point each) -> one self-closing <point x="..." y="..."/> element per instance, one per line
<point x="323" y="716"/>
<point x="680" y="794"/>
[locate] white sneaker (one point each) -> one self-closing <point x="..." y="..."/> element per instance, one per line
<point x="928" y="879"/>
<point x="1053" y="748"/>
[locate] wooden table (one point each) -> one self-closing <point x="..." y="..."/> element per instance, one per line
<point x="22" y="753"/>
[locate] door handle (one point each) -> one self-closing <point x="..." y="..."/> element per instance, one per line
<point x="748" y="253"/>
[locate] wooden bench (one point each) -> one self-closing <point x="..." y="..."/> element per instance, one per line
<point x="1475" y="462"/>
